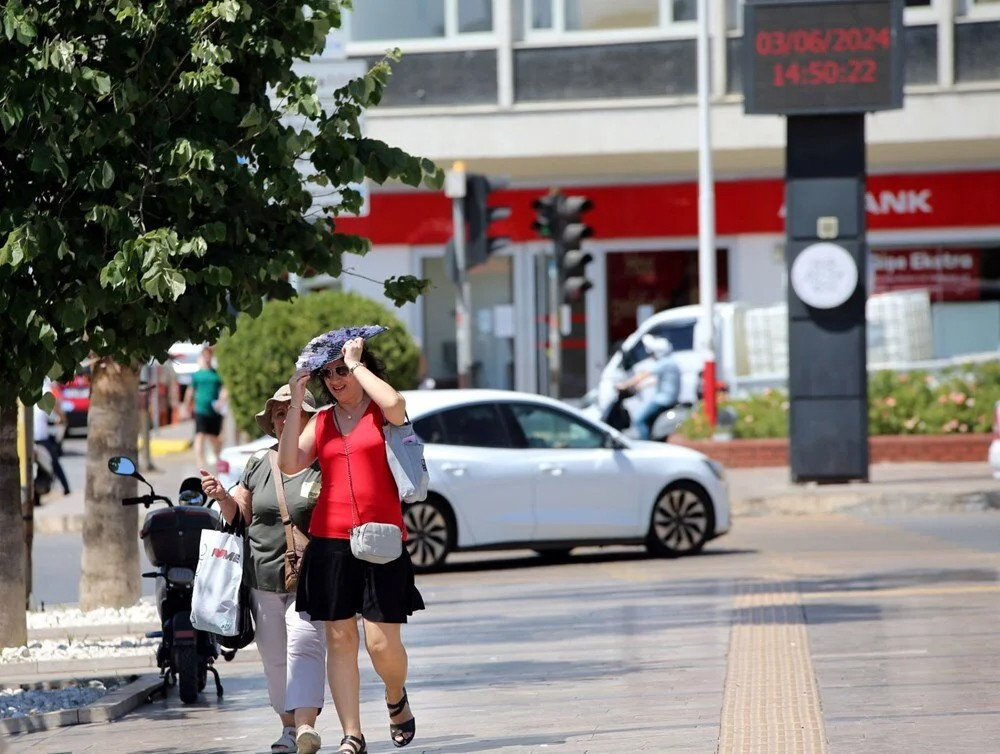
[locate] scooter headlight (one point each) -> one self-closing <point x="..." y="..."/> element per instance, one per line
<point x="180" y="575"/>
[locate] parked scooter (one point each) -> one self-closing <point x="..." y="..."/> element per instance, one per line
<point x="172" y="539"/>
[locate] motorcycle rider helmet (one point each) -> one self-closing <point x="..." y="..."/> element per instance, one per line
<point x="656" y="346"/>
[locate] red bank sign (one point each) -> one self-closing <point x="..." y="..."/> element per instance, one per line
<point x="893" y="202"/>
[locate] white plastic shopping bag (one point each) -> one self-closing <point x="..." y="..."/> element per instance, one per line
<point x="215" y="600"/>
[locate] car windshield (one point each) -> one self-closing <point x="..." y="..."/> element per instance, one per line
<point x="680" y="334"/>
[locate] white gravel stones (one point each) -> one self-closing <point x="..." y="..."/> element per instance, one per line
<point x="21" y="702"/>
<point x="45" y="650"/>
<point x="71" y="617"/>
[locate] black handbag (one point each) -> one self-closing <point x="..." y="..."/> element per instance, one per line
<point x="245" y="634"/>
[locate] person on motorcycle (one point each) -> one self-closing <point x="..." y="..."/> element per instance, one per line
<point x="292" y="647"/>
<point x="667" y="375"/>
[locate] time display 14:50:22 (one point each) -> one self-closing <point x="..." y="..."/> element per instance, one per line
<point x="825" y="72"/>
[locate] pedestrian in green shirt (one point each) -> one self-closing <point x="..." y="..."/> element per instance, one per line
<point x="207" y="398"/>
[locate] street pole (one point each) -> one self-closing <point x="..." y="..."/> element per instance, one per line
<point x="455" y="188"/>
<point x="706" y="212"/>
<point x="555" y="332"/>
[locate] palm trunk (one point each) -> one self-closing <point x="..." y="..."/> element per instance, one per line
<point x="13" y="620"/>
<point x="110" y="531"/>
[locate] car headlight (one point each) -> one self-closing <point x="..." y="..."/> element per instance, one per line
<point x="717" y="469"/>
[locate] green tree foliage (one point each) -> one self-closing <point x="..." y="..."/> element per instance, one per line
<point x="260" y="354"/>
<point x="156" y="161"/>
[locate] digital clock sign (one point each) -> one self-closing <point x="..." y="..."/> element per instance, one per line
<point x="822" y="56"/>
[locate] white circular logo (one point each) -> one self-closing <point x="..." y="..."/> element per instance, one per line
<point x="824" y="275"/>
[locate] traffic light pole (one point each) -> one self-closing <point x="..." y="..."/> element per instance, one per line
<point x="706" y="213"/>
<point x="463" y="323"/>
<point x="555" y="333"/>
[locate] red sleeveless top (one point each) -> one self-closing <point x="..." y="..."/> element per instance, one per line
<point x="375" y="489"/>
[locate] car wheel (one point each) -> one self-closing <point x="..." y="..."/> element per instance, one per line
<point x="430" y="533"/>
<point x="682" y="521"/>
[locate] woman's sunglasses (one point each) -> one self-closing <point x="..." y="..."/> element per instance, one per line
<point x="341" y="370"/>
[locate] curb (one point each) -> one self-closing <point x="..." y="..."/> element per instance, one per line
<point x="59" y="523"/>
<point x="109" y="707"/>
<point x="17" y="673"/>
<point x="163" y="446"/>
<point x="809" y="502"/>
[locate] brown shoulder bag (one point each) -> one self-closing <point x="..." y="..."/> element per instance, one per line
<point x="295" y="540"/>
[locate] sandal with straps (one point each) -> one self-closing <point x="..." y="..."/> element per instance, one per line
<point x="353" y="745"/>
<point x="401" y="733"/>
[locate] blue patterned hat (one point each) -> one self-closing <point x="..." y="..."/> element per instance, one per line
<point x="330" y="345"/>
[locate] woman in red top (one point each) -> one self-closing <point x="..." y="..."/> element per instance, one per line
<point x="357" y="487"/>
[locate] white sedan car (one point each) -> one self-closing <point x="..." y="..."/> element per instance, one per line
<point x="512" y="469"/>
<point x="517" y="470"/>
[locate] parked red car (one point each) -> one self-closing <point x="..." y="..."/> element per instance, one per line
<point x="74" y="398"/>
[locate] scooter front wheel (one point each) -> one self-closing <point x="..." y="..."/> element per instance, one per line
<point x="187" y="674"/>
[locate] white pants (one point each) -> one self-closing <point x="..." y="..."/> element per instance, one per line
<point x="293" y="650"/>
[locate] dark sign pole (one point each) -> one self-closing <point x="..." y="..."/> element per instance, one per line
<point x="824" y="64"/>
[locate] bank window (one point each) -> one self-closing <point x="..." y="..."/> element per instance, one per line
<point x="400" y="20"/>
<point x="594" y="16"/>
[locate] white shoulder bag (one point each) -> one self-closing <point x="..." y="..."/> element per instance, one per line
<point x="372" y="542"/>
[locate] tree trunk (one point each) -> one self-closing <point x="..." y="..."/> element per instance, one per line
<point x="26" y="453"/>
<point x="110" y="531"/>
<point x="13" y="620"/>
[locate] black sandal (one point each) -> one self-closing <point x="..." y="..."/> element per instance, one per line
<point x="402" y="733"/>
<point x="353" y="745"/>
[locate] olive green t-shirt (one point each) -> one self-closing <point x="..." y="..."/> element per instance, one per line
<point x="266" y="532"/>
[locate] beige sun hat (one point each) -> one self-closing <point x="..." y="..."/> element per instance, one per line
<point x="282" y="395"/>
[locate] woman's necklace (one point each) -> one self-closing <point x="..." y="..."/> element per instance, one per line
<point x="343" y="410"/>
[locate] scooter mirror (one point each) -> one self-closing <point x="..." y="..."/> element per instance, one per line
<point x="121" y="465"/>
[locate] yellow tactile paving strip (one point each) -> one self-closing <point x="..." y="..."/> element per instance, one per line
<point x="771" y="702"/>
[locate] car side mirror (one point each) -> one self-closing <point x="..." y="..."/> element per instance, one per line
<point x="613" y="443"/>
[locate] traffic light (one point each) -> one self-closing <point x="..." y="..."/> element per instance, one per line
<point x="560" y="218"/>
<point x="572" y="259"/>
<point x="480" y="215"/>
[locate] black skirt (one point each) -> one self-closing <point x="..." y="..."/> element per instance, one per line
<point x="334" y="585"/>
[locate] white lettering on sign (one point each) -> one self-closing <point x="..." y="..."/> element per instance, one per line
<point x="906" y="202"/>
<point x="903" y="202"/>
<point x="923" y="260"/>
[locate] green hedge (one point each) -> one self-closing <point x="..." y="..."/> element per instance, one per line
<point x="909" y="403"/>
<point x="260" y="353"/>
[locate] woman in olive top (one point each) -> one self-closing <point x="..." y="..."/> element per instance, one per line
<point x="292" y="648"/>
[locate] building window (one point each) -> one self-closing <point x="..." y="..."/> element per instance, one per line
<point x="595" y="16"/>
<point x="919" y="11"/>
<point x="400" y="20"/>
<point x="475" y="16"/>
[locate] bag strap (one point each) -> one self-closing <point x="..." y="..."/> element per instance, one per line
<point x="279" y="488"/>
<point x="387" y="423"/>
<point x="355" y="513"/>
